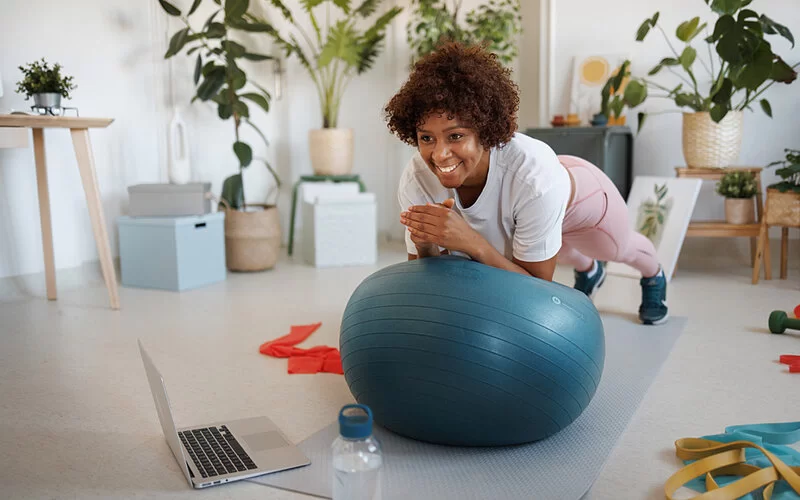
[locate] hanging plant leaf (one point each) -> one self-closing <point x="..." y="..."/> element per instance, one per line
<point x="687" y="29"/>
<point x="233" y="191"/>
<point x="772" y="27"/>
<point x="198" y="66"/>
<point x="169" y="8"/>
<point x="766" y="107"/>
<point x="235" y="9"/>
<point x="258" y="99"/>
<point x="194" y="6"/>
<point x="244" y="152"/>
<point x="177" y="42"/>
<point x="687" y="58"/>
<point x="726" y="6"/>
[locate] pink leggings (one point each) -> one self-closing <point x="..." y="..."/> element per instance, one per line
<point x="596" y="224"/>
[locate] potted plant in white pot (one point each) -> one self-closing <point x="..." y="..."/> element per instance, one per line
<point x="252" y="230"/>
<point x="739" y="188"/>
<point x="496" y="25"/>
<point x="333" y="54"/>
<point x="741" y="65"/>
<point x="45" y="84"/>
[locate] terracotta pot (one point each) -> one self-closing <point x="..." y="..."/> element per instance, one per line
<point x="252" y="238"/>
<point x="331" y="151"/>
<point x="712" y="145"/>
<point x="739" y="211"/>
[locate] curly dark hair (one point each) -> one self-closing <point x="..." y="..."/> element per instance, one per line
<point x="463" y="81"/>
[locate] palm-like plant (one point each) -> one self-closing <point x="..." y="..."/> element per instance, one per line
<point x="334" y="52"/>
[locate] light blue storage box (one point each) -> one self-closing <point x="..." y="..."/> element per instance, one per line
<point x="172" y="253"/>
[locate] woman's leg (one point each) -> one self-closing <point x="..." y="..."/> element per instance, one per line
<point x="596" y="227"/>
<point x="596" y="224"/>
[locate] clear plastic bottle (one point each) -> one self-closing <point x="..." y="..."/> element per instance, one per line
<point x="357" y="456"/>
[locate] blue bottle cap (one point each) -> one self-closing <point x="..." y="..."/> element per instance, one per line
<point x="355" y="421"/>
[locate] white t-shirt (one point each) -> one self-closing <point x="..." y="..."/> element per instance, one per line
<point x="520" y="210"/>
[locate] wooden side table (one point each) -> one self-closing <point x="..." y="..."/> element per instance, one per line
<point x="721" y="228"/>
<point x="79" y="130"/>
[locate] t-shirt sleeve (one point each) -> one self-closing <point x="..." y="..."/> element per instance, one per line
<point x="539" y="217"/>
<point x="409" y="193"/>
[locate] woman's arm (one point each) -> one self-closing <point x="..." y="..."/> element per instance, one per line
<point x="432" y="225"/>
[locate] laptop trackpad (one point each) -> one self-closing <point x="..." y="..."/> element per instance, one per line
<point x="262" y="441"/>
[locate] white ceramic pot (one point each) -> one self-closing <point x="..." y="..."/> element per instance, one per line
<point x="712" y="145"/>
<point x="331" y="151"/>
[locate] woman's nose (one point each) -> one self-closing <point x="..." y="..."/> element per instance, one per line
<point x="441" y="152"/>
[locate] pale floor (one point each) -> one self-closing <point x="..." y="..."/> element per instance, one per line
<point x="77" y="419"/>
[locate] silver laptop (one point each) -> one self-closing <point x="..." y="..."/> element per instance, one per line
<point x="222" y="452"/>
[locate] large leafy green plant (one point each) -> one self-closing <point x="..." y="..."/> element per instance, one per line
<point x="745" y="68"/>
<point x="789" y="172"/>
<point x="497" y="24"/>
<point x="219" y="77"/>
<point x="336" y="51"/>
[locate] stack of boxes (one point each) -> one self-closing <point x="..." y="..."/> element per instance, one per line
<point x="171" y="240"/>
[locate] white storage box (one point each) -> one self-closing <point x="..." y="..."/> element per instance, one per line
<point x="340" y="230"/>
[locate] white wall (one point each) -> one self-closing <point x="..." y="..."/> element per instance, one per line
<point x="611" y="29"/>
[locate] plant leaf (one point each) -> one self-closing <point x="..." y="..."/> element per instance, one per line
<point x="233" y="191"/>
<point x="169" y="8"/>
<point x="243" y="152"/>
<point x="233" y="49"/>
<point x="718" y="113"/>
<point x="211" y="85"/>
<point x="253" y="27"/>
<point x="177" y="42"/>
<point x="687" y="29"/>
<point x="635" y="93"/>
<point x="343" y="4"/>
<point x="367" y="8"/>
<point x="723" y="25"/>
<point x="687" y="57"/>
<point x="726" y="6"/>
<point x="642" y="116"/>
<point x="757" y="72"/>
<point x="235" y="9"/>
<point x="782" y="72"/>
<point x="723" y="94"/>
<point x="258" y="99"/>
<point x="198" y="66"/>
<point x="766" y="107"/>
<point x="256" y="57"/>
<point x="287" y="14"/>
<point x="772" y="27"/>
<point x="216" y="30"/>
<point x="194" y="6"/>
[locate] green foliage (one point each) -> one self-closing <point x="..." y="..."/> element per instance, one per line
<point x="39" y="77"/>
<point x="655" y="212"/>
<point x="495" y="24"/>
<point x="745" y="68"/>
<point x="737" y="185"/>
<point x="337" y="51"/>
<point x="789" y="172"/>
<point x="219" y="78"/>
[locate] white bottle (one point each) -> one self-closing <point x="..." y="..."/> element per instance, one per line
<point x="179" y="170"/>
<point x="357" y="456"/>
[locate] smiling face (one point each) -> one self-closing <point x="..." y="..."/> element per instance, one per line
<point x="453" y="151"/>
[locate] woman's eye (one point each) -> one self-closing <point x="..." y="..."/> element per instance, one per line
<point x="425" y="138"/>
<point x="455" y="137"/>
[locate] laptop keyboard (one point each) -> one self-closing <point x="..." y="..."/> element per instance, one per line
<point x="215" y="451"/>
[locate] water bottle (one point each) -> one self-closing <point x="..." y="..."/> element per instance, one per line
<point x="357" y="457"/>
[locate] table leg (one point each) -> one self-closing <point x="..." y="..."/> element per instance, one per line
<point x="291" y="222"/>
<point x="83" y="153"/>
<point x="44" y="212"/>
<point x="784" y="252"/>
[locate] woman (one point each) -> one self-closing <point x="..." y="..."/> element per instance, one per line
<point x="479" y="189"/>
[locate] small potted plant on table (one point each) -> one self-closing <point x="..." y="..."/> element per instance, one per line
<point x="738" y="188"/>
<point x="45" y="84"/>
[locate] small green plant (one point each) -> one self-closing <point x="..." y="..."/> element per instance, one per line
<point x="737" y="185"/>
<point x="39" y="77"/>
<point x="495" y="24"/>
<point x="745" y="68"/>
<point x="789" y="172"/>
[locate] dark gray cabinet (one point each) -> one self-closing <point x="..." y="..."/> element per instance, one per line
<point x="610" y="148"/>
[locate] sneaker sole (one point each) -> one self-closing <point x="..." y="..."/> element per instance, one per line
<point x="656" y="322"/>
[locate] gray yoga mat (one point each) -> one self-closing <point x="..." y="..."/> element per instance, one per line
<point x="562" y="466"/>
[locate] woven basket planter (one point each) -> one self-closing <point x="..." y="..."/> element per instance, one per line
<point x="739" y="211"/>
<point x="331" y="150"/>
<point x="252" y="238"/>
<point x="712" y="145"/>
<point x="782" y="209"/>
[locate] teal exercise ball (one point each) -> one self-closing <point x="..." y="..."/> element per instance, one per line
<point x="450" y="351"/>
